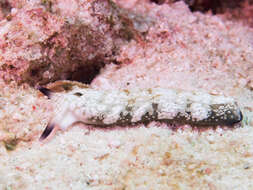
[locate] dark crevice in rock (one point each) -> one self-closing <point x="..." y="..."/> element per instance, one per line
<point x="215" y="6"/>
<point x="159" y="2"/>
<point x="86" y="73"/>
<point x="5" y="7"/>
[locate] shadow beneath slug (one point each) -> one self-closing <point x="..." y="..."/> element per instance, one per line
<point x="172" y="127"/>
<point x="51" y="130"/>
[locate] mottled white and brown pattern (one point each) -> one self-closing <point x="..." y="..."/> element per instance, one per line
<point x="76" y="102"/>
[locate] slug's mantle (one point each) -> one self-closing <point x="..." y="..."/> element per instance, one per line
<point x="75" y="102"/>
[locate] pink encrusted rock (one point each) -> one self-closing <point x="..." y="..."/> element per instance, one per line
<point x="184" y="50"/>
<point x="243" y="13"/>
<point x="42" y="42"/>
<point x="46" y="40"/>
<point x="22" y="40"/>
<point x="1" y="14"/>
<point x="4" y="8"/>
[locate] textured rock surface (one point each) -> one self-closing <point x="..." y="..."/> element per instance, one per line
<point x="42" y="41"/>
<point x="175" y="48"/>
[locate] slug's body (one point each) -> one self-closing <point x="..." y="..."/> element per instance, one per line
<point x="75" y="102"/>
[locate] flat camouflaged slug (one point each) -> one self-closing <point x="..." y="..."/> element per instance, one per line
<point x="75" y="102"/>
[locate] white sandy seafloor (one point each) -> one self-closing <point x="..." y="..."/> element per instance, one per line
<point x="141" y="157"/>
<point x="136" y="158"/>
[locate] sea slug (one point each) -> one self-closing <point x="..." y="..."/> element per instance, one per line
<point x="75" y="102"/>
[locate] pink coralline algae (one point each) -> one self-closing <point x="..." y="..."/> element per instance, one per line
<point x="43" y="41"/>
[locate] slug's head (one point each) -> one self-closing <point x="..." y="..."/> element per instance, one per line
<point x="63" y="117"/>
<point x="63" y="120"/>
<point x="47" y="131"/>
